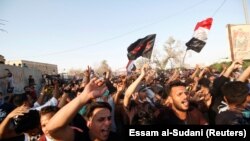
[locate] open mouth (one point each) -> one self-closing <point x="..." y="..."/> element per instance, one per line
<point x="105" y="132"/>
<point x="185" y="102"/>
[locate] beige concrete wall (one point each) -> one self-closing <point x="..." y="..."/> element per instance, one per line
<point x="43" y="67"/>
<point x="20" y="76"/>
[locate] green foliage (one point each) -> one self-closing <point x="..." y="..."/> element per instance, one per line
<point x="246" y="64"/>
<point x="218" y="66"/>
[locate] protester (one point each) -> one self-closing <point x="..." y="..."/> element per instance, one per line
<point x="235" y="95"/>
<point x="179" y="111"/>
<point x="218" y="103"/>
<point x="98" y="117"/>
<point x="46" y="114"/>
<point x="140" y="109"/>
<point x="31" y="80"/>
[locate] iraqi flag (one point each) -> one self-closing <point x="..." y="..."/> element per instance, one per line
<point x="142" y="47"/>
<point x="200" y="35"/>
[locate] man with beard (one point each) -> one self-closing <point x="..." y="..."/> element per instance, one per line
<point x="178" y="111"/>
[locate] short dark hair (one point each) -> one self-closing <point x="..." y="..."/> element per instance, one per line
<point x="95" y="105"/>
<point x="172" y="84"/>
<point x="235" y="92"/>
<point x="28" y="121"/>
<point x="48" y="109"/>
<point x="19" y="99"/>
<point x="9" y="74"/>
<point x="204" y="82"/>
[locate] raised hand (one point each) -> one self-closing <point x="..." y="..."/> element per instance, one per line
<point x="120" y="87"/>
<point x="18" y="112"/>
<point x="93" y="89"/>
<point x="87" y="71"/>
<point x="237" y="64"/>
<point x="144" y="69"/>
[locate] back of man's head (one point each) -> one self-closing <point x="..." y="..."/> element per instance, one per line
<point x="26" y="122"/>
<point x="235" y="92"/>
<point x="20" y="99"/>
<point x="204" y="82"/>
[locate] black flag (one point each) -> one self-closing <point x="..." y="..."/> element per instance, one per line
<point x="142" y="47"/>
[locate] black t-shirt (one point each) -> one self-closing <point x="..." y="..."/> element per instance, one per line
<point x="230" y="117"/>
<point x="167" y="116"/>
<point x="217" y="98"/>
<point x="31" y="81"/>
<point x="18" y="138"/>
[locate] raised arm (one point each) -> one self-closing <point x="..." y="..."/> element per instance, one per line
<point x="5" y="129"/>
<point x="58" y="127"/>
<point x="41" y="96"/>
<point x="233" y="66"/>
<point x="133" y="86"/>
<point x="245" y="75"/>
<point x="224" y="68"/>
<point x="108" y="74"/>
<point x="175" y="75"/>
<point x="197" y="69"/>
<point x="55" y="92"/>
<point x="120" y="88"/>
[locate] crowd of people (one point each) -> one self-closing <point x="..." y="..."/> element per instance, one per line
<point x="98" y="107"/>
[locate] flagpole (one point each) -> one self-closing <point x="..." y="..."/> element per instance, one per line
<point x="246" y="11"/>
<point x="151" y="58"/>
<point x="184" y="58"/>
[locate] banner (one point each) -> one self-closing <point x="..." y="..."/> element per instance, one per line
<point x="239" y="40"/>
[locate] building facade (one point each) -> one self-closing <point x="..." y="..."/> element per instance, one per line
<point x="50" y="69"/>
<point x="2" y="60"/>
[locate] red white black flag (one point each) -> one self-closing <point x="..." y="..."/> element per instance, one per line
<point x="200" y="35"/>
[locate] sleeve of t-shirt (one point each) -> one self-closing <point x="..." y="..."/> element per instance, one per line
<point x="52" y="102"/>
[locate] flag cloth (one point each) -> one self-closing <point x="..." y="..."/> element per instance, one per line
<point x="142" y="47"/>
<point x="130" y="66"/>
<point x="200" y="35"/>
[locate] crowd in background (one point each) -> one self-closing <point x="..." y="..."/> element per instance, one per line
<point x="98" y="107"/>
